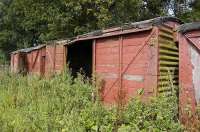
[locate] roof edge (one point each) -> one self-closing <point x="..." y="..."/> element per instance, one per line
<point x="141" y="24"/>
<point x="26" y="50"/>
<point x="189" y="27"/>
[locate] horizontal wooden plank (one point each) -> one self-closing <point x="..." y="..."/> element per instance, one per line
<point x="165" y="29"/>
<point x="165" y="57"/>
<point x="168" y="46"/>
<point x="167" y="82"/>
<point x="166" y="41"/>
<point x="168" y="73"/>
<point x="168" y="77"/>
<point x="168" y="26"/>
<point x="164" y="68"/>
<point x="174" y="63"/>
<point x="165" y="35"/>
<point x="168" y="52"/>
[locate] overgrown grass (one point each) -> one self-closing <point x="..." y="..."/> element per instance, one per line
<point x="192" y="124"/>
<point x="29" y="103"/>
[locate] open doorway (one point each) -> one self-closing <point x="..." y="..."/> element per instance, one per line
<point x="79" y="58"/>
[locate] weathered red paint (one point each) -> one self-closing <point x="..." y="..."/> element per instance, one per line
<point x="189" y="96"/>
<point x="42" y="60"/>
<point x="124" y="67"/>
<point x="13" y="62"/>
<point x="127" y="60"/>
<point x="35" y="61"/>
<point x="55" y="59"/>
<point x="16" y="62"/>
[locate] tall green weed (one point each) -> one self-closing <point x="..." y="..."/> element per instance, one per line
<point x="64" y="104"/>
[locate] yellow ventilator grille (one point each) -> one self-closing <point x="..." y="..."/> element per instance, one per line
<point x="168" y="61"/>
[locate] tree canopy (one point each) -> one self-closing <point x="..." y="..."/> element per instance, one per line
<point x="25" y="23"/>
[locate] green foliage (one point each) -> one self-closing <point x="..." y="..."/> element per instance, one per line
<point x="193" y="120"/>
<point x="2" y="58"/>
<point x="158" y="115"/>
<point x="29" y="103"/>
<point x="25" y="23"/>
<point x="155" y="8"/>
<point x="194" y="14"/>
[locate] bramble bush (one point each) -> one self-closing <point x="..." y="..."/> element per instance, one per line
<point x="61" y="103"/>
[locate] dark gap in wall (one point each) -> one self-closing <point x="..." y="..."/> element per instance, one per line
<point x="79" y="58"/>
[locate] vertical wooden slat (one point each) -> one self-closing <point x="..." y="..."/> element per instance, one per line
<point x="120" y="65"/>
<point x="94" y="57"/>
<point x="65" y="50"/>
<point x="158" y="47"/>
<point x="54" y="59"/>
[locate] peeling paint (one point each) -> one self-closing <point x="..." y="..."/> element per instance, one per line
<point x="137" y="78"/>
<point x="109" y="75"/>
<point x="108" y="65"/>
<point x="195" y="59"/>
